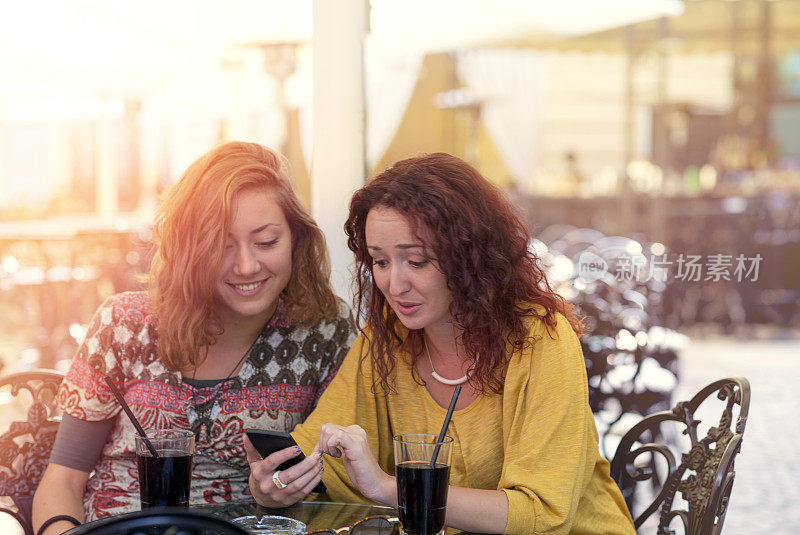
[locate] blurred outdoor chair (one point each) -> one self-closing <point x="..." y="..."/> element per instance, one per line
<point x="25" y="446"/>
<point x="704" y="477"/>
<point x="160" y="521"/>
<point x="631" y="359"/>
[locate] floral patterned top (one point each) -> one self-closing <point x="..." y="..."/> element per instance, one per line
<point x="278" y="385"/>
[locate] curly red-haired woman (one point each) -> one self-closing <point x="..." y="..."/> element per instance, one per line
<point x="239" y="328"/>
<point x="452" y="295"/>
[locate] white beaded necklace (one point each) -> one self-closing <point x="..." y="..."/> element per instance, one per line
<point x="449" y="382"/>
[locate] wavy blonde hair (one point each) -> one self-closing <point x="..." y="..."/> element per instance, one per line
<point x="190" y="231"/>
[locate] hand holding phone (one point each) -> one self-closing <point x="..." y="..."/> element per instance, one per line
<point x="268" y="442"/>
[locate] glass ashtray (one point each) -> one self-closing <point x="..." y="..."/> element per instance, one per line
<point x="270" y="525"/>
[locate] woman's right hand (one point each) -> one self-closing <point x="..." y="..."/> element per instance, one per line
<point x="352" y="445"/>
<point x="300" y="479"/>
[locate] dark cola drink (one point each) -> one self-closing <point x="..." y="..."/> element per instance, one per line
<point x="422" y="496"/>
<point x="166" y="480"/>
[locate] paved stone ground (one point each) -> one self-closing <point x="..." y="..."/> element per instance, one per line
<point x="766" y="493"/>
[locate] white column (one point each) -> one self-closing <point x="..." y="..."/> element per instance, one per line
<point x="58" y="158"/>
<point x="106" y="166"/>
<point x="151" y="158"/>
<point x="338" y="164"/>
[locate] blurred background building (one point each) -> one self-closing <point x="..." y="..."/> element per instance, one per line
<point x="666" y="131"/>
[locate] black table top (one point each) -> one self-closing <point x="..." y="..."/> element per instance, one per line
<point x="315" y="515"/>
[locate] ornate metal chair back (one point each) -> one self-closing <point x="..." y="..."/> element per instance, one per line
<point x="25" y="446"/>
<point x="703" y="478"/>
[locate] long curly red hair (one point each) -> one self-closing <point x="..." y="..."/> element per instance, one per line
<point x="190" y="231"/>
<point x="481" y="246"/>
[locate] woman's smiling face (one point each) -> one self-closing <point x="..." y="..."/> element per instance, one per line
<point x="257" y="263"/>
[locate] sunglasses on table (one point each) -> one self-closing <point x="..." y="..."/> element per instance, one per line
<point x="373" y="525"/>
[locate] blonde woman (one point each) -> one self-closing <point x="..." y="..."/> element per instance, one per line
<point x="239" y="328"/>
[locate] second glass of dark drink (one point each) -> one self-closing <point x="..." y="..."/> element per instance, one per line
<point x="421" y="485"/>
<point x="165" y="480"/>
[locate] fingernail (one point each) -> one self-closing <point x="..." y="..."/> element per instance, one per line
<point x="298" y="449"/>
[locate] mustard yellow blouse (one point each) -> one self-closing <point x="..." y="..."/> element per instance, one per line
<point x="537" y="441"/>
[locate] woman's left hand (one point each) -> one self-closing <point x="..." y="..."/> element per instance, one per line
<point x="351" y="444"/>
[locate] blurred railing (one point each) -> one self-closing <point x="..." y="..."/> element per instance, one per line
<point x="763" y="230"/>
<point x="53" y="276"/>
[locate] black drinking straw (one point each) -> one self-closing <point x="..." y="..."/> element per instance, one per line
<point x="449" y="415"/>
<point x="134" y="421"/>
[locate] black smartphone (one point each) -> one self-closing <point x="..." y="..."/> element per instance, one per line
<point x="268" y="442"/>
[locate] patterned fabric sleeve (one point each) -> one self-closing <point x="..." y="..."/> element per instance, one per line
<point x="83" y="393"/>
<point x="337" y="347"/>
